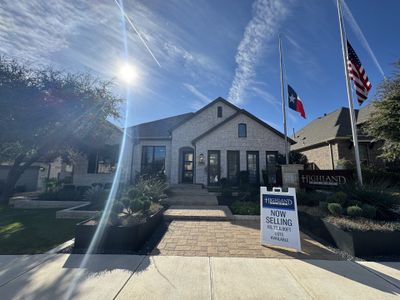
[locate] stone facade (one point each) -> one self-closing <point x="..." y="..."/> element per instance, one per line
<point x="325" y="156"/>
<point x="208" y="130"/>
<point x="226" y="138"/>
<point x="183" y="135"/>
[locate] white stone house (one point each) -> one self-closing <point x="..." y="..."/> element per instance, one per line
<point x="218" y="141"/>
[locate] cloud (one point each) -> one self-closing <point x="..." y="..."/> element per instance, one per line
<point x="361" y="37"/>
<point x="77" y="35"/>
<point x="266" y="96"/>
<point x="267" y="17"/>
<point x="199" y="95"/>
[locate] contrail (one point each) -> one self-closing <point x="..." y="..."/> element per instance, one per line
<point x="353" y="23"/>
<point x="138" y="33"/>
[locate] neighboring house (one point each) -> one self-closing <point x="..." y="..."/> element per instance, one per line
<point x="97" y="166"/>
<point x="35" y="176"/>
<point x="328" y="140"/>
<point x="100" y="163"/>
<point x="218" y="141"/>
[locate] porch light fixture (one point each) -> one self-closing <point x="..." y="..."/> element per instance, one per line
<point x="201" y="159"/>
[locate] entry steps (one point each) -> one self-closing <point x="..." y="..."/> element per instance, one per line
<point x="198" y="213"/>
<point x="190" y="195"/>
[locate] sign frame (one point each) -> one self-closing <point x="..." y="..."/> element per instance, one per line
<point x="279" y="222"/>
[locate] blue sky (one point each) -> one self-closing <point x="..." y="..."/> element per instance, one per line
<point x="208" y="49"/>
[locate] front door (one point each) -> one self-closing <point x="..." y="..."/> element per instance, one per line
<point x="187" y="165"/>
<point x="233" y="161"/>
<point x="214" y="167"/>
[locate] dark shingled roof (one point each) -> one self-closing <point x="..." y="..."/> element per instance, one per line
<point x="329" y="127"/>
<point x="159" y="128"/>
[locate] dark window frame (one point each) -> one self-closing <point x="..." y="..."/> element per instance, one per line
<point x="276" y="163"/>
<point x="144" y="165"/>
<point x="102" y="161"/>
<point x="245" y="130"/>
<point x="257" y="164"/>
<point x="219" y="111"/>
<point x="218" y="152"/>
<point x="238" y="165"/>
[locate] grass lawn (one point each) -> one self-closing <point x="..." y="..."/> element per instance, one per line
<point x="29" y="231"/>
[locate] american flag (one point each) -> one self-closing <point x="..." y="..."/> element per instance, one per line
<point x="358" y="75"/>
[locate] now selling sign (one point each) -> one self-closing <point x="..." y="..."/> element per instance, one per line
<point x="279" y="218"/>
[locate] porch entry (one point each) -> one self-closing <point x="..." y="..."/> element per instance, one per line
<point x="214" y="167"/>
<point x="187" y="166"/>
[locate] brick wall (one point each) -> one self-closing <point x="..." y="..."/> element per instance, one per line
<point x="184" y="134"/>
<point x="226" y="138"/>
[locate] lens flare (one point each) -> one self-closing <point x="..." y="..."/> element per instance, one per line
<point x="128" y="73"/>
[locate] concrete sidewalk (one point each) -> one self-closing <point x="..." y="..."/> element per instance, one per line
<point x="55" y="276"/>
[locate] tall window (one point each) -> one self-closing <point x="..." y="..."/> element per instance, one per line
<point x="271" y="165"/>
<point x="242" y="130"/>
<point x="103" y="161"/>
<point x="253" y="166"/>
<point x="219" y="111"/>
<point x="153" y="159"/>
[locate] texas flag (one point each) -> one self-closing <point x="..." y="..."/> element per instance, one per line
<point x="295" y="102"/>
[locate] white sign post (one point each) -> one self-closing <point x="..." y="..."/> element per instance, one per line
<point x="279" y="219"/>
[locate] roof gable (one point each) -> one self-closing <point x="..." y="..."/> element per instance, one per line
<point x="219" y="99"/>
<point x="251" y="116"/>
<point x="159" y="128"/>
<point x="329" y="127"/>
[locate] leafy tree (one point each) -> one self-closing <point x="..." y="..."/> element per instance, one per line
<point x="45" y="113"/>
<point x="294" y="158"/>
<point x="384" y="123"/>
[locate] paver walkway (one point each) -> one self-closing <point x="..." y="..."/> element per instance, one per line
<point x="215" y="213"/>
<point x="190" y="194"/>
<point x="118" y="277"/>
<point x="239" y="239"/>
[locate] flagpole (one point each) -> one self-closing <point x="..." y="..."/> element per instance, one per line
<point x="349" y="95"/>
<point x="283" y="100"/>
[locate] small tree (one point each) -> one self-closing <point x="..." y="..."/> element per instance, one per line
<point x="384" y="123"/>
<point x="46" y="113"/>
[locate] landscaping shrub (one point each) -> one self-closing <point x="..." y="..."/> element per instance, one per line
<point x="52" y="184"/>
<point x="369" y="211"/>
<point x="335" y="209"/>
<point x="310" y="198"/>
<point x="245" y="208"/>
<point x="68" y="187"/>
<point x="385" y="200"/>
<point x="323" y="206"/>
<point x="225" y="188"/>
<point x="48" y="196"/>
<point x="381" y="177"/>
<point x="68" y="195"/>
<point x="338" y="197"/>
<point x="243" y="178"/>
<point x="97" y="196"/>
<point x="153" y="187"/>
<point x="362" y="224"/>
<point x="354" y="211"/>
<point x="61" y="195"/>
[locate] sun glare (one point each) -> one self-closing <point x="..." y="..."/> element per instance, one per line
<point x="127" y="73"/>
